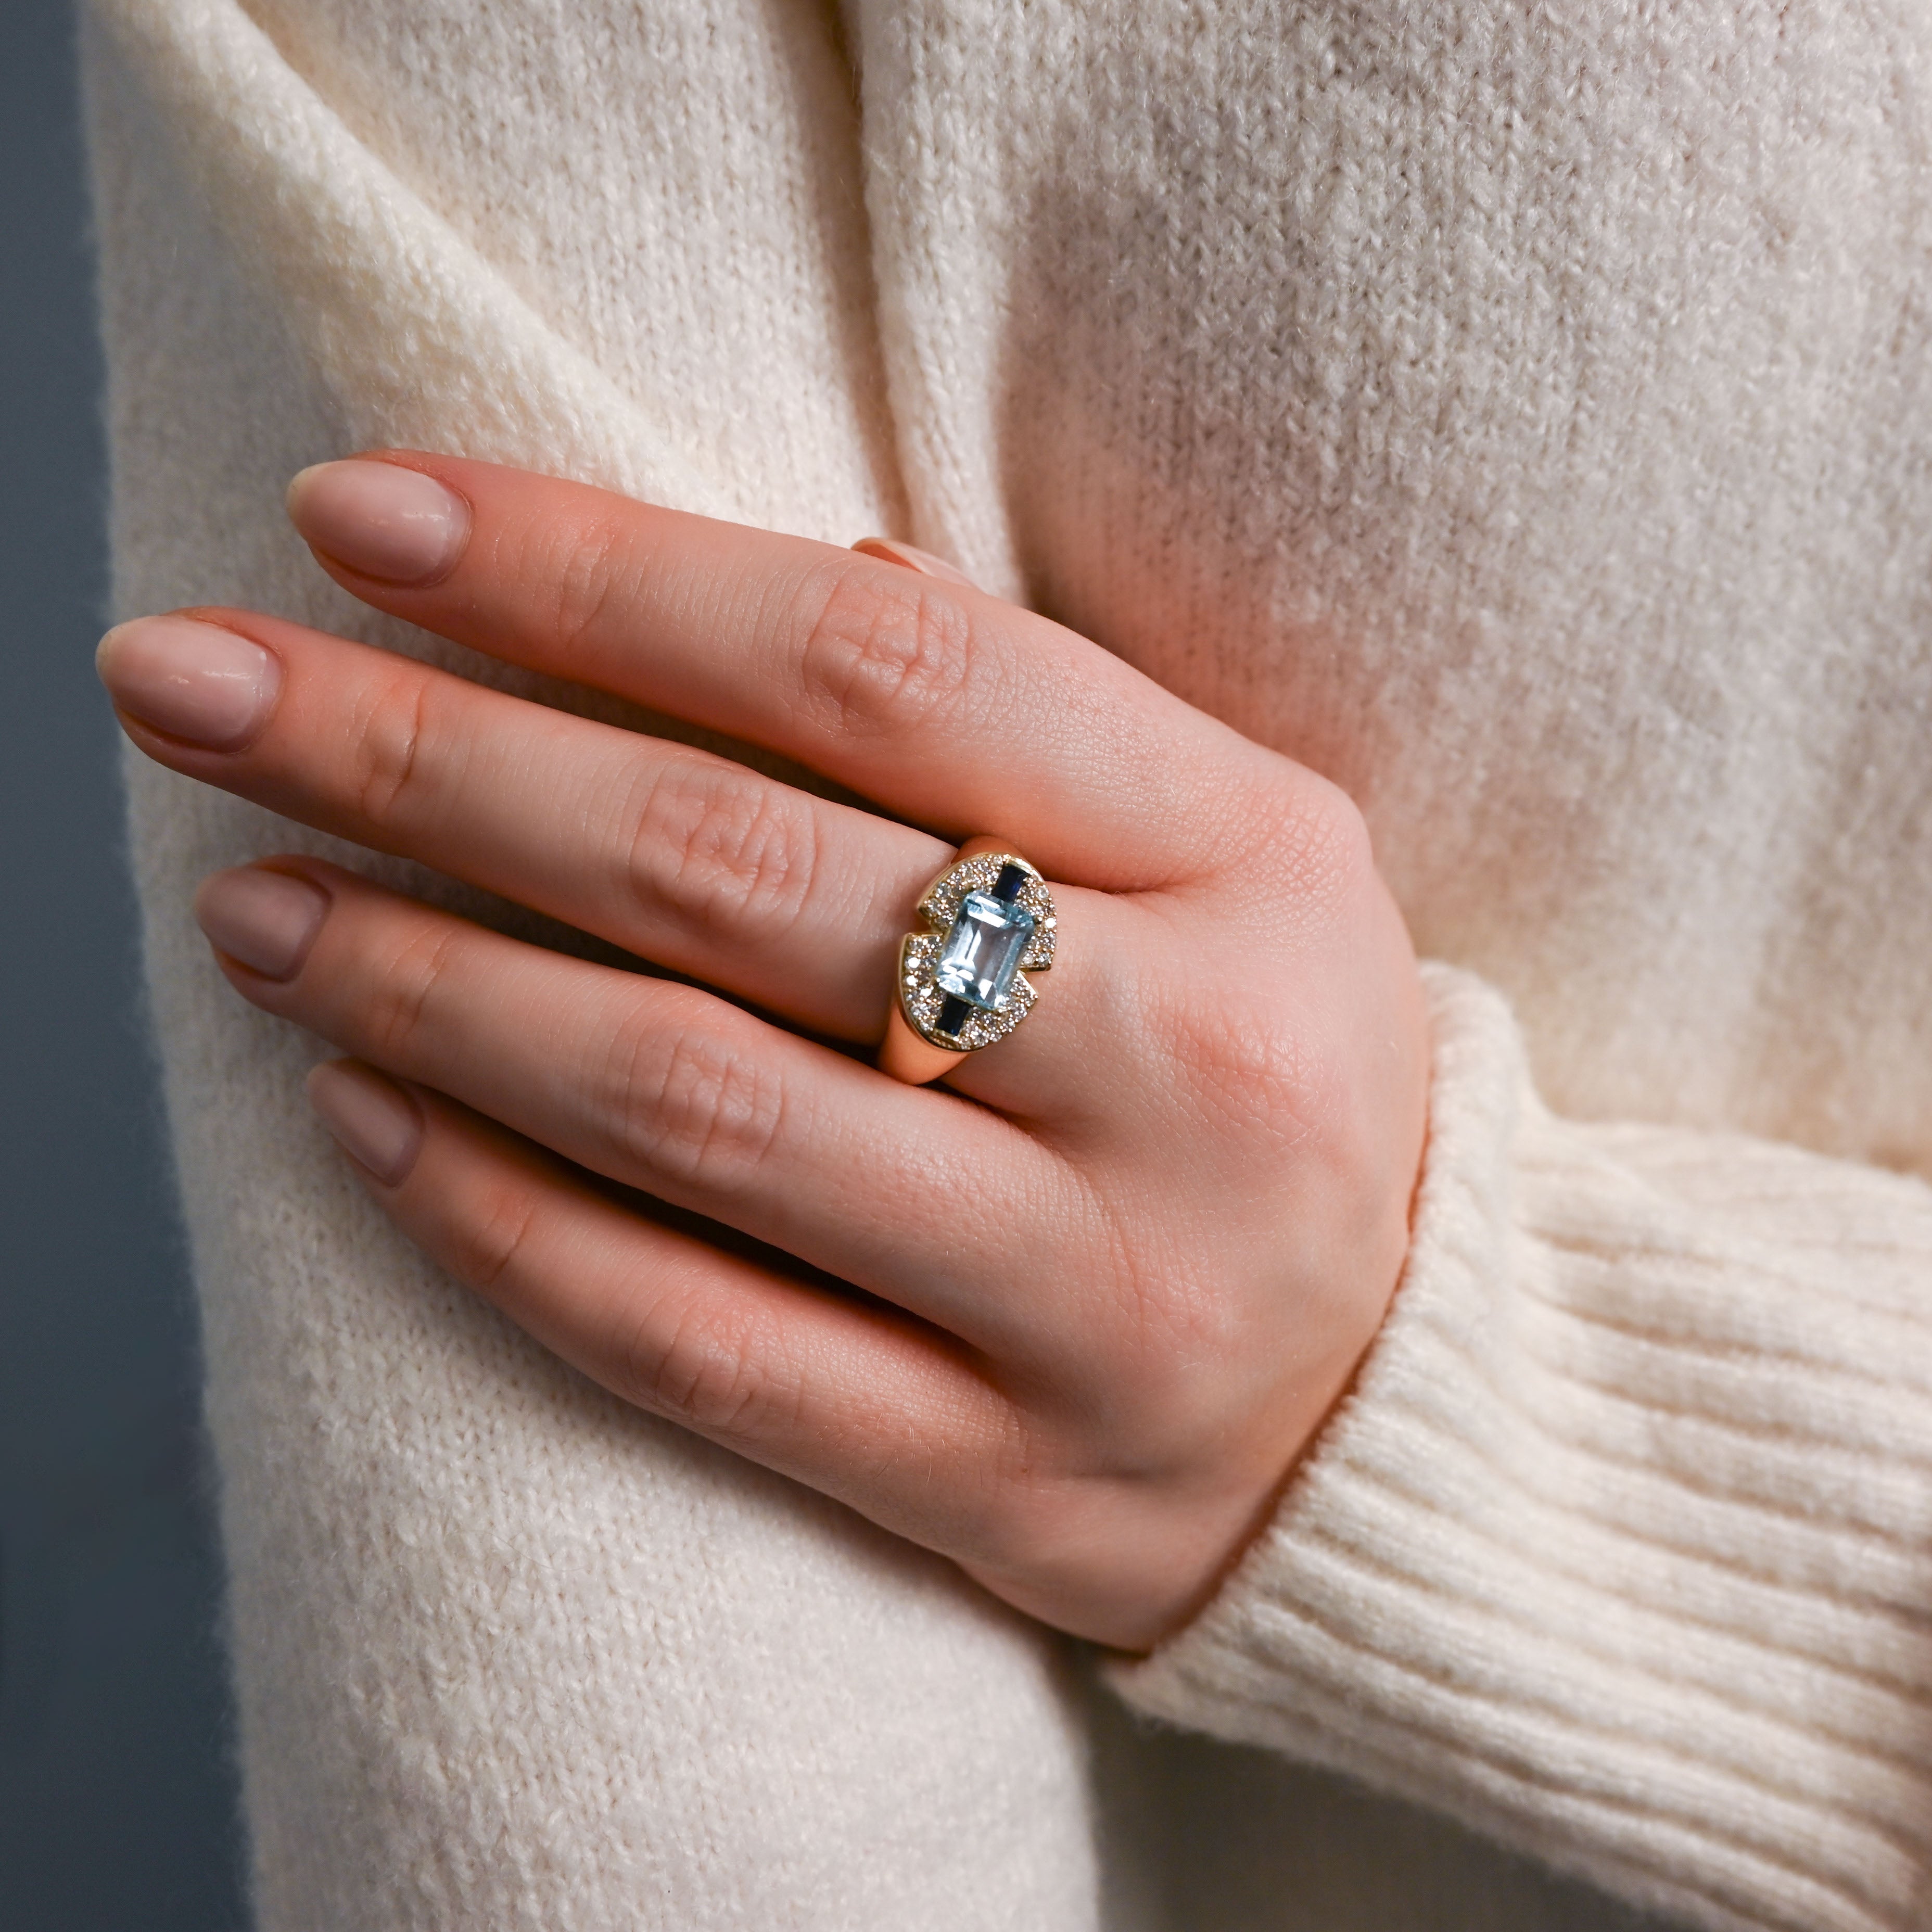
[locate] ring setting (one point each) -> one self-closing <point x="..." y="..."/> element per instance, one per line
<point x="988" y="922"/>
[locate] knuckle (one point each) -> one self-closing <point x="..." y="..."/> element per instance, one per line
<point x="1193" y="1328"/>
<point x="406" y="990"/>
<point x="1315" y="842"/>
<point x="1176" y="1323"/>
<point x="725" y="851"/>
<point x="587" y="568"/>
<point x="696" y="1110"/>
<point x="1270" y="1082"/>
<point x="885" y="659"/>
<point x="717" y="1370"/>
<point x="486" y="1247"/>
<point x="390" y="764"/>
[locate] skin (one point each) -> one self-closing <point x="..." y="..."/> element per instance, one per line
<point x="1112" y="1275"/>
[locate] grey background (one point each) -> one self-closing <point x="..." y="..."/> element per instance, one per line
<point x="116" y="1790"/>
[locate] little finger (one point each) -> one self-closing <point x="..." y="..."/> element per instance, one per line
<point x="878" y="1410"/>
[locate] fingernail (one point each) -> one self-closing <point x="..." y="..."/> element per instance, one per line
<point x="267" y="920"/>
<point x="891" y="550"/>
<point x="380" y="519"/>
<point x="378" y="1125"/>
<point x="190" y="680"/>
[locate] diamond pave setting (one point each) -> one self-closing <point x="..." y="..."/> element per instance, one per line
<point x="989" y="922"/>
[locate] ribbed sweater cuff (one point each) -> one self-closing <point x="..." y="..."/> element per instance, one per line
<point x="1621" y="1551"/>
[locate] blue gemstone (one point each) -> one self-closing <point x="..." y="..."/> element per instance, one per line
<point x="983" y="951"/>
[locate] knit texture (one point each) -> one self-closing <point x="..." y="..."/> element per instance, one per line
<point x="1620" y="1548"/>
<point x="1516" y="414"/>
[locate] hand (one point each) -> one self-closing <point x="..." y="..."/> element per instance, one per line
<point x="1070" y="1322"/>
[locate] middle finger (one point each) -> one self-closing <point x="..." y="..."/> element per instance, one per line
<point x="689" y="860"/>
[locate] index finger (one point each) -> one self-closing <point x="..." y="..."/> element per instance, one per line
<point x="943" y="705"/>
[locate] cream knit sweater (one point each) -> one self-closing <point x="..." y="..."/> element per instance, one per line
<point x="1521" y="412"/>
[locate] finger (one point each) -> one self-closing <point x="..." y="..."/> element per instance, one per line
<point x="942" y="704"/>
<point x="793" y="902"/>
<point x="863" y="1404"/>
<point x="923" y="1199"/>
<point x="923" y="561"/>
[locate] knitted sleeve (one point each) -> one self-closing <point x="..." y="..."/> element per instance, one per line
<point x="1620" y="1550"/>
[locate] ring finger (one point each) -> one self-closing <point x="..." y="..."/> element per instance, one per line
<point x="922" y="1199"/>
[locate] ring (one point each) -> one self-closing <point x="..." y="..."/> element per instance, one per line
<point x="988" y="921"/>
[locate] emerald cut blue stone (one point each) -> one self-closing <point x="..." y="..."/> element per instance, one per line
<point x="983" y="951"/>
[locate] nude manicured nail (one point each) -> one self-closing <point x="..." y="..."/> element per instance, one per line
<point x="190" y="680"/>
<point x="890" y="549"/>
<point x="377" y="1123"/>
<point x="267" y="920"/>
<point x="381" y="520"/>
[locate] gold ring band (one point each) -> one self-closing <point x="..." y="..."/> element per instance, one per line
<point x="963" y="982"/>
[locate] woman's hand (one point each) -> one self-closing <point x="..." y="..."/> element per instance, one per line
<point x="1070" y="1322"/>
